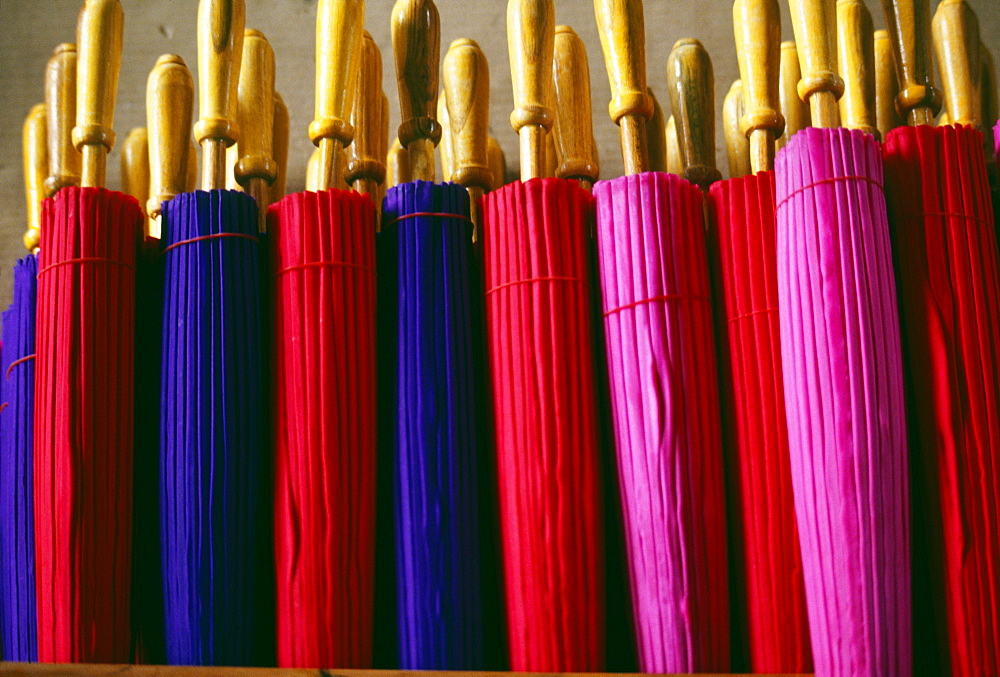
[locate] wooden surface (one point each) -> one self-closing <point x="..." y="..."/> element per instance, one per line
<point x="18" y="669"/>
<point x="31" y="30"/>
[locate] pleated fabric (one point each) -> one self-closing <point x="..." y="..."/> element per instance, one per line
<point x="536" y="246"/>
<point x="664" y="393"/>
<point x="949" y="278"/>
<point x="18" y="631"/>
<point x="777" y="621"/>
<point x="83" y="424"/>
<point x="213" y="455"/>
<point x="844" y="399"/>
<point x="323" y="258"/>
<point x="426" y="284"/>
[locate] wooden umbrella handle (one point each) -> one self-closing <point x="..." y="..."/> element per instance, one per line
<point x="135" y="165"/>
<point x="220" y="50"/>
<point x="737" y="144"/>
<point x="366" y="163"/>
<point x="531" y="46"/>
<point x="467" y="88"/>
<point x="498" y="163"/>
<point x="60" y="101"/>
<point x="416" y="45"/>
<point x="279" y="144"/>
<point x="169" y="107"/>
<point x="674" y="163"/>
<point x="256" y="169"/>
<point x="988" y="88"/>
<point x="956" y="44"/>
<point x="796" y="112"/>
<point x="622" y="29"/>
<point x="397" y="165"/>
<point x="692" y="97"/>
<point x="339" y="28"/>
<point x="757" y="29"/>
<point x="446" y="147"/>
<point x="814" y="23"/>
<point x="36" y="168"/>
<point x="908" y="22"/>
<point x="656" y="135"/>
<point x="574" y="130"/>
<point x="856" y="51"/>
<point x="886" y="85"/>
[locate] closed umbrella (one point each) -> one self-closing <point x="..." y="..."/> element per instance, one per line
<point x="843" y="376"/>
<point x="661" y="363"/>
<point x="428" y="297"/>
<point x="539" y="325"/>
<point x="949" y="279"/>
<point x="83" y="385"/>
<point x="772" y="590"/>
<point x="323" y="262"/>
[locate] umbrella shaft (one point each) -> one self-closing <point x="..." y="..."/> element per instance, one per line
<point x="532" y="151"/>
<point x="635" y="149"/>
<point x="261" y="192"/>
<point x="214" y="164"/>
<point x="95" y="160"/>
<point x="330" y="158"/>
<point x="421" y="154"/>
<point x="824" y="109"/>
<point x="761" y="150"/>
<point x="921" y="116"/>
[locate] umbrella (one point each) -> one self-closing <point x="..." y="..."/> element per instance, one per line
<point x="323" y="258"/>
<point x="772" y="587"/>
<point x="661" y="364"/>
<point x="539" y="326"/>
<point x="83" y="385"/>
<point x="949" y="280"/>
<point x="36" y="170"/>
<point x="842" y="375"/>
<point x="433" y="406"/>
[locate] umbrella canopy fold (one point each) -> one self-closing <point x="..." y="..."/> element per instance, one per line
<point x="83" y="424"/>
<point x="844" y="393"/>
<point x="661" y="362"/>
<point x="536" y="255"/>
<point x="18" y="631"/>
<point x="323" y="260"/>
<point x="431" y="415"/>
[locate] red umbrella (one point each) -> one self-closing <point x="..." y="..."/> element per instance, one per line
<point x="83" y="388"/>
<point x="843" y="376"/>
<point x="323" y="259"/>
<point x="949" y="279"/>
<point x="745" y="229"/>
<point x="539" y="337"/>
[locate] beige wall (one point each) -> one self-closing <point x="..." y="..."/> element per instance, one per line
<point x="31" y="28"/>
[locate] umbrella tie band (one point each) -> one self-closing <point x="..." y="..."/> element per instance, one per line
<point x="324" y="264"/>
<point x="213" y="236"/>
<point x="531" y="280"/>
<point x="751" y="314"/>
<point x="13" y="364"/>
<point x="655" y="299"/>
<point x="461" y="217"/>
<point x="93" y="259"/>
<point x="833" y="179"/>
<point x="4" y="406"/>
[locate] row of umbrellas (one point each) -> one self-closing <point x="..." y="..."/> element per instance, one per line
<point x="795" y="365"/>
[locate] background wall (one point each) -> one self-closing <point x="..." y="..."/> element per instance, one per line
<point x="30" y="29"/>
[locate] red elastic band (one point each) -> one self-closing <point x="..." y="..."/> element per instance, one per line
<point x="4" y="406"/>
<point x="834" y="179"/>
<point x="324" y="264"/>
<point x="396" y="220"/>
<point x="84" y="260"/>
<point x="213" y="236"/>
<point x="654" y="299"/>
<point x="531" y="280"/>
<point x="751" y="314"/>
<point x="17" y="362"/>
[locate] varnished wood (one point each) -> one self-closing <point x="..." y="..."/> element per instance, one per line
<point x="100" y="28"/>
<point x="674" y="163"/>
<point x="552" y="157"/>
<point x="692" y="98"/>
<point x="135" y="165"/>
<point x="60" y="100"/>
<point x="886" y="85"/>
<point x="794" y="110"/>
<point x="256" y="169"/>
<point x="814" y="23"/>
<point x="446" y="148"/>
<point x="34" y="148"/>
<point x="339" y="27"/>
<point x="621" y="26"/>
<point x="531" y="45"/>
<point x="856" y="55"/>
<point x="365" y="160"/>
<point x="169" y="109"/>
<point x="312" y="171"/>
<point x="757" y="30"/>
<point x="384" y="151"/>
<point x="191" y="182"/>
<point x="956" y="45"/>
<point x="397" y="165"/>
<point x="279" y="144"/>
<point x="656" y="136"/>
<point x="416" y="45"/>
<point x="573" y="128"/>
<point x="232" y="158"/>
<point x="497" y="162"/>
<point x="737" y="144"/>
<point x="908" y="22"/>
